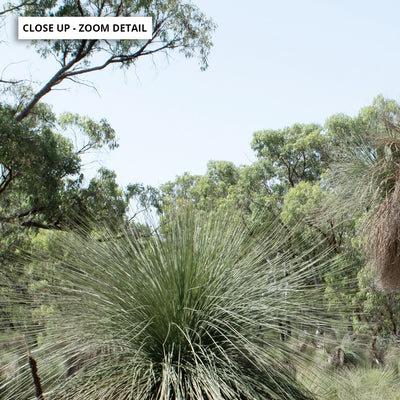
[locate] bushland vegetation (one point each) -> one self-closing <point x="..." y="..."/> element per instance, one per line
<point x="274" y="280"/>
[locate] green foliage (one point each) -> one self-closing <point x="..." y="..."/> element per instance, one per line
<point x="195" y="313"/>
<point x="302" y="201"/>
<point x="365" y="174"/>
<point x="176" y="25"/>
<point x="33" y="161"/>
<point x="321" y="186"/>
<point x="295" y="153"/>
<point x="100" y="134"/>
<point x="146" y="197"/>
<point x="365" y="155"/>
<point x="360" y="383"/>
<point x="313" y="205"/>
<point x="285" y="158"/>
<point x="41" y="185"/>
<point x="102" y="200"/>
<point x="180" y="191"/>
<point x="201" y="307"/>
<point x="215" y="185"/>
<point x="379" y="312"/>
<point x="365" y="384"/>
<point x="206" y="192"/>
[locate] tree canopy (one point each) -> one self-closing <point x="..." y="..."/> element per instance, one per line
<point x="217" y="290"/>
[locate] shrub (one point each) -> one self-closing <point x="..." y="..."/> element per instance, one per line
<point x="197" y="311"/>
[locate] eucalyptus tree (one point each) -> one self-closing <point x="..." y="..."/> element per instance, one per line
<point x="364" y="175"/>
<point x="42" y="188"/>
<point x="177" y="26"/>
<point x="204" y="192"/>
<point x="41" y="182"/>
<point x="296" y="153"/>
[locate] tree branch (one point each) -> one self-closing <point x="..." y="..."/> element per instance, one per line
<point x="331" y="240"/>
<point x="23" y="4"/>
<point x="85" y="49"/>
<point x="24" y="214"/>
<point x="125" y="58"/>
<point x="10" y="82"/>
<point x="59" y="76"/>
<point x="7" y="178"/>
<point x="36" y="224"/>
<point x="80" y="8"/>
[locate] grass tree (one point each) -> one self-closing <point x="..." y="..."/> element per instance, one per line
<point x="366" y="176"/>
<point x="192" y="312"/>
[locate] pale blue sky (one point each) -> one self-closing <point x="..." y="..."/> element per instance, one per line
<point x="274" y="63"/>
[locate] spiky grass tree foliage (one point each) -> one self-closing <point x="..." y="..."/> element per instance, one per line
<point x="366" y="177"/>
<point x="195" y="312"/>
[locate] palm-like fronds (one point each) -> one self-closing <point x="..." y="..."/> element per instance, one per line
<point x="365" y="170"/>
<point x="193" y="313"/>
<point x="366" y="177"/>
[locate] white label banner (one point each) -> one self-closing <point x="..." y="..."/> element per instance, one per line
<point x="36" y="28"/>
